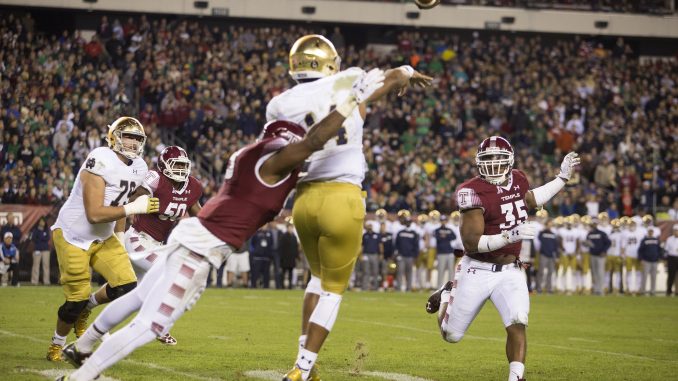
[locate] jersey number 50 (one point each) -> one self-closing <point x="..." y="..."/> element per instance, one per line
<point x="511" y="219"/>
<point x="173" y="212"/>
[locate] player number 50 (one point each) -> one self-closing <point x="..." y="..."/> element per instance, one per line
<point x="511" y="219"/>
<point x="174" y="210"/>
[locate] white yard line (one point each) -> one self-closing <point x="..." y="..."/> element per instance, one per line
<point x="271" y="375"/>
<point x="149" y="365"/>
<point x="394" y="376"/>
<point x="54" y="373"/>
<point x="561" y="347"/>
<point x="583" y="340"/>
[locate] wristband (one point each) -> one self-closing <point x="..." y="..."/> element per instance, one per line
<point x="346" y="108"/>
<point x="488" y="243"/>
<point x="409" y="70"/>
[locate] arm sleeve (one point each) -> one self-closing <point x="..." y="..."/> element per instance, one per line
<point x="467" y="198"/>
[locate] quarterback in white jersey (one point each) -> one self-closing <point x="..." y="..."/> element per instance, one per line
<point x="328" y="201"/>
<point x="83" y="233"/>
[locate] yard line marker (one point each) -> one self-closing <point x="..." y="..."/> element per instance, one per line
<point x="561" y="347"/>
<point x="129" y="361"/>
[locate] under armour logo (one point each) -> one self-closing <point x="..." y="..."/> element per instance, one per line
<point x="135" y="171"/>
<point x="471" y="271"/>
<point x="499" y="190"/>
<point x="517" y="187"/>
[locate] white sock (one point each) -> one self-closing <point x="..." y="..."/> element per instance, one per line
<point x="302" y="341"/>
<point x="306" y="362"/>
<point x="86" y="342"/>
<point x="121" y="344"/>
<point x="516" y="370"/>
<point x="92" y="302"/>
<point x="58" y="339"/>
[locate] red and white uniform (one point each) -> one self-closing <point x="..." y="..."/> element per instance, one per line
<point x="151" y="230"/>
<point x="503" y="208"/>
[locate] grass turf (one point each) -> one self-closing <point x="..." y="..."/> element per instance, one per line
<point x="229" y="333"/>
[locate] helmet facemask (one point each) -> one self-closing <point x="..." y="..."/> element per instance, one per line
<point x="177" y="168"/>
<point x="494" y="165"/>
<point x="129" y="144"/>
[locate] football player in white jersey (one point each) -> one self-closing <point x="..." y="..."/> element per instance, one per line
<point x="648" y="224"/>
<point x="571" y="246"/>
<point x="90" y="226"/>
<point x="329" y="210"/>
<point x="421" y="264"/>
<point x="430" y="227"/>
<point x="631" y="239"/>
<point x="381" y="218"/>
<point x="584" y="264"/>
<point x="613" y="262"/>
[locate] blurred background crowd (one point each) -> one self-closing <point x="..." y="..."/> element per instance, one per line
<point x="205" y="86"/>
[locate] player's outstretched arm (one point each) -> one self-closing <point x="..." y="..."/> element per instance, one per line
<point x="473" y="226"/>
<point x="93" y="198"/>
<point x="400" y="78"/>
<point x="540" y="196"/>
<point x="294" y="154"/>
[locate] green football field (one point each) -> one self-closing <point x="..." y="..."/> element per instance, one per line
<point x="252" y="335"/>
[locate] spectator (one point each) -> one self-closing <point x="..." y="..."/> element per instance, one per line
<point x="671" y="249"/>
<point x="41" y="254"/>
<point x="444" y="238"/>
<point x="371" y="256"/>
<point x="407" y="250"/>
<point x="649" y="253"/>
<point x="262" y="254"/>
<point x="11" y="226"/>
<point x="289" y="252"/>
<point x="549" y="244"/>
<point x="598" y="243"/>
<point x="10" y="257"/>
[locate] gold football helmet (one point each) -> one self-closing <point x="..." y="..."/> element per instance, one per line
<point x="625" y="221"/>
<point x="615" y="223"/>
<point x="422" y="218"/>
<point x="586" y="220"/>
<point x="559" y="221"/>
<point x="126" y="136"/>
<point x="404" y="213"/>
<point x="648" y="219"/>
<point x="574" y="219"/>
<point x="603" y="216"/>
<point x="313" y="56"/>
<point x="434" y="215"/>
<point x="381" y="214"/>
<point x="542" y="214"/>
<point x="455" y="217"/>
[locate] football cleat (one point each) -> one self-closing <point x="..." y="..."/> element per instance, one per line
<point x="54" y="353"/>
<point x="314" y="375"/>
<point x="80" y="325"/>
<point x="293" y="375"/>
<point x="167" y="339"/>
<point x="433" y="303"/>
<point x="73" y="356"/>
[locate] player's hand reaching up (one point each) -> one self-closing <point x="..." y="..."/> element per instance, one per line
<point x="367" y="84"/>
<point x="143" y="205"/>
<point x="417" y="79"/>
<point x="570" y="161"/>
<point x="526" y="230"/>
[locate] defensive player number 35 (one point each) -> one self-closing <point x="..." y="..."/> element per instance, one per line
<point x="511" y="219"/>
<point x="174" y="210"/>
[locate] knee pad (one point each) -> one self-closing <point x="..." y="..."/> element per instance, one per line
<point x="325" y="313"/>
<point x="69" y="311"/>
<point x="118" y="291"/>
<point x="314" y="286"/>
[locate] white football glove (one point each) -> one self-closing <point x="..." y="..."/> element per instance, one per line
<point x="526" y="230"/>
<point x="570" y="161"/>
<point x="142" y="205"/>
<point x="361" y="90"/>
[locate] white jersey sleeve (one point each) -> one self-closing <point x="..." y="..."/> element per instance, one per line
<point x="151" y="181"/>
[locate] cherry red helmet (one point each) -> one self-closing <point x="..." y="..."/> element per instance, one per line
<point x="494" y="159"/>
<point x="283" y="129"/>
<point x="174" y="163"/>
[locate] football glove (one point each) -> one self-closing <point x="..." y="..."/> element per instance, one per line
<point x="570" y="161"/>
<point x="142" y="205"/>
<point x="526" y="230"/>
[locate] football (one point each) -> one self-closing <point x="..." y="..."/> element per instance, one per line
<point x="426" y="4"/>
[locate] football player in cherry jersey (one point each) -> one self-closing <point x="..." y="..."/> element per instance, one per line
<point x="494" y="209"/>
<point x="179" y="192"/>
<point x="258" y="179"/>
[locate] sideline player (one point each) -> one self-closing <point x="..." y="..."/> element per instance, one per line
<point x="258" y="179"/>
<point x="329" y="209"/>
<point x="179" y="192"/>
<point x="83" y="232"/>
<point x="494" y="209"/>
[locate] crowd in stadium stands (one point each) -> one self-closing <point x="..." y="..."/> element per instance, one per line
<point x="625" y="6"/>
<point x="211" y="85"/>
